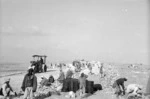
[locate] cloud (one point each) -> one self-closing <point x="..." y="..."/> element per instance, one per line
<point x="22" y="31"/>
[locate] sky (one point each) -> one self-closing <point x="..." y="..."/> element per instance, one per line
<point x="64" y="30"/>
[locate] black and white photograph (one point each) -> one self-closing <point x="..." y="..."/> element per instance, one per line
<point x="74" y="49"/>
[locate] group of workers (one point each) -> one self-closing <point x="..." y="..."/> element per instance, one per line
<point x="133" y="90"/>
<point x="81" y="80"/>
<point x="29" y="85"/>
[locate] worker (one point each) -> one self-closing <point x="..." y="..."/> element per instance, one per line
<point x="101" y="70"/>
<point x="90" y="67"/>
<point x="82" y="84"/>
<point x="6" y="89"/>
<point x="29" y="84"/>
<point x="41" y="60"/>
<point x="119" y="86"/>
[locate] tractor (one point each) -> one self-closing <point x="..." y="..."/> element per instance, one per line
<point x="39" y="63"/>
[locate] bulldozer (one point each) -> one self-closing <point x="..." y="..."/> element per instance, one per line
<point x="39" y="63"/>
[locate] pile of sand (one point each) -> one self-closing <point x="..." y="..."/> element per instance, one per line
<point x="111" y="74"/>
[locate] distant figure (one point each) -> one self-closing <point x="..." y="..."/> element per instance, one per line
<point x="61" y="76"/>
<point x="56" y="65"/>
<point x="101" y="70"/>
<point x="6" y="89"/>
<point x="82" y="84"/>
<point x="69" y="73"/>
<point x="119" y="86"/>
<point x="41" y="60"/>
<point x="51" y="66"/>
<point x="90" y="67"/>
<point x="29" y="84"/>
<point x="60" y="65"/>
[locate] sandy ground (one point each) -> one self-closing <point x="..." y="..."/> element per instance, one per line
<point x="16" y="80"/>
<point x="138" y="76"/>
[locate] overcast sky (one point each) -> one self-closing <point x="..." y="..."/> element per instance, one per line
<point x="105" y="30"/>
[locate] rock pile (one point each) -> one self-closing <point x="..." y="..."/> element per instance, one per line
<point x="110" y="72"/>
<point x="46" y="91"/>
<point x="110" y="75"/>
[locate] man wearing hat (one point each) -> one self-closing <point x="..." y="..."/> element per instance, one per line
<point x="6" y="88"/>
<point x="29" y="84"/>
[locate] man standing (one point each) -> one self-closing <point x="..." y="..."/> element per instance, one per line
<point x="82" y="84"/>
<point x="101" y="70"/>
<point x="29" y="84"/>
<point x="90" y="67"/>
<point x="41" y="60"/>
<point x="6" y="89"/>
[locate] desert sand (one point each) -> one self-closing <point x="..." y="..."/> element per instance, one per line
<point x="136" y="76"/>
